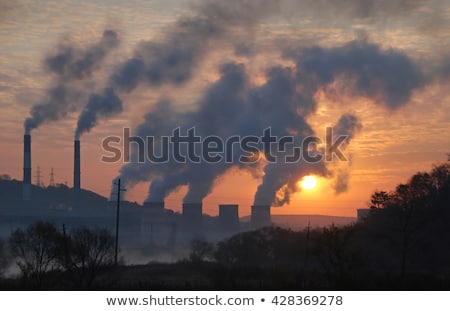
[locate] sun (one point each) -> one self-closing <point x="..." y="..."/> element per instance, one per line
<point x="308" y="182"/>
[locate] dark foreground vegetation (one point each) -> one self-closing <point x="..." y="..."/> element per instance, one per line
<point x="404" y="243"/>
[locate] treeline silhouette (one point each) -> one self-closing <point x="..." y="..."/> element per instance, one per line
<point x="48" y="257"/>
<point x="403" y="243"/>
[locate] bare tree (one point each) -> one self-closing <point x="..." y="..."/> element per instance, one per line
<point x="35" y="249"/>
<point x="336" y="253"/>
<point x="86" y="252"/>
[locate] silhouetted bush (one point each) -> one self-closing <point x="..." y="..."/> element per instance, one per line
<point x="271" y="245"/>
<point x="201" y="251"/>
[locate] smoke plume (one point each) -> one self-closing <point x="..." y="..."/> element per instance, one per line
<point x="69" y="65"/>
<point x="173" y="59"/>
<point x="370" y="71"/>
<point x="387" y="76"/>
<point x="348" y="125"/>
<point x="232" y="106"/>
<point x="99" y="106"/>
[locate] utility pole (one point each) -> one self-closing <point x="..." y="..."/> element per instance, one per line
<point x="119" y="189"/>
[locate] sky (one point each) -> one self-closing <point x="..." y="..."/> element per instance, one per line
<point x="298" y="66"/>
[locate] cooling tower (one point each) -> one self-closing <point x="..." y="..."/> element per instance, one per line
<point x="192" y="220"/>
<point x="229" y="218"/>
<point x="156" y="228"/>
<point x="260" y="216"/>
<point x="76" y="166"/>
<point x="154" y="208"/>
<point x="26" y="187"/>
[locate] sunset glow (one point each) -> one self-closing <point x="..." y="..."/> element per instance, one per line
<point x="308" y="182"/>
<point x="281" y="145"/>
<point x="141" y="66"/>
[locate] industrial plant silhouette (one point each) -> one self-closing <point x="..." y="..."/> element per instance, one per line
<point x="150" y="224"/>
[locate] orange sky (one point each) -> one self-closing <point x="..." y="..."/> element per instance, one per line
<point x="390" y="147"/>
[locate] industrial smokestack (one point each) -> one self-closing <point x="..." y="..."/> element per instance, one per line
<point x="26" y="167"/>
<point x="76" y="166"/>
<point x="229" y="218"/>
<point x="260" y="216"/>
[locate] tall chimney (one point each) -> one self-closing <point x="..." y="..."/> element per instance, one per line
<point x="260" y="216"/>
<point x="26" y="187"/>
<point x="76" y="166"/>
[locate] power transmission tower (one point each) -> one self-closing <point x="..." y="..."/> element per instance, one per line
<point x="116" y="251"/>
<point x="52" y="178"/>
<point x="38" y="178"/>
